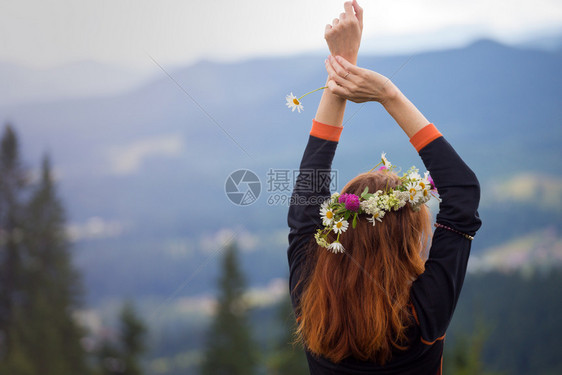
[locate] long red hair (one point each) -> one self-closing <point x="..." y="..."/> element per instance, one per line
<point x="356" y="303"/>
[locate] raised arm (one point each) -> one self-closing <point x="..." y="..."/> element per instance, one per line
<point x="435" y="293"/>
<point x="343" y="37"/>
<point x="359" y="85"/>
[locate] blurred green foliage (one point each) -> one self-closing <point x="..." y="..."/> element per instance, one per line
<point x="229" y="348"/>
<point x="123" y="356"/>
<point x="39" y="288"/>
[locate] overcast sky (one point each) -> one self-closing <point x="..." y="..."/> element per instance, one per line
<point x="44" y="33"/>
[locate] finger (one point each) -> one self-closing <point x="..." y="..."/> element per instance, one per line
<point x="348" y="6"/>
<point x="342" y="16"/>
<point x="346" y="65"/>
<point x="332" y="86"/>
<point x="358" y="12"/>
<point x="327" y="30"/>
<point x="335" y="21"/>
<point x="333" y="75"/>
<point x="338" y="68"/>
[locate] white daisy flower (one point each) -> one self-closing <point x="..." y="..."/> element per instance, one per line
<point x="336" y="247"/>
<point x="335" y="196"/>
<point x="425" y="190"/>
<point x="340" y="226"/>
<point x="413" y="173"/>
<point x="413" y="189"/>
<point x="414" y="176"/>
<point x="294" y="103"/>
<point x="425" y="186"/>
<point x="327" y="214"/>
<point x="376" y="217"/>
<point x="385" y="160"/>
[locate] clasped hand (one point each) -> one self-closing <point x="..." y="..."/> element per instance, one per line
<point x="357" y="84"/>
<point x="347" y="80"/>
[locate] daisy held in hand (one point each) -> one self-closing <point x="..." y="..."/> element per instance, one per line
<point x="414" y="190"/>
<point x="295" y="103"/>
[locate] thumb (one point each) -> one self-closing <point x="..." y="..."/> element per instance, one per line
<point x="335" y="88"/>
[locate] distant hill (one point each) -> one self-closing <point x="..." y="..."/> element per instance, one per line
<point x="142" y="173"/>
<point x="22" y="84"/>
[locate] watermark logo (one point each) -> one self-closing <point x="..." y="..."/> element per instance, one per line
<point x="310" y="182"/>
<point x="242" y="187"/>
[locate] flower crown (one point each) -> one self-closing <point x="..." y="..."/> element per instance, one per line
<point x="336" y="211"/>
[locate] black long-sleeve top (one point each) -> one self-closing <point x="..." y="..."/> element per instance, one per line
<point x="435" y="293"/>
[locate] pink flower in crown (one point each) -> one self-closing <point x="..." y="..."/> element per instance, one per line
<point x="351" y="201"/>
<point x="382" y="168"/>
<point x="433" y="187"/>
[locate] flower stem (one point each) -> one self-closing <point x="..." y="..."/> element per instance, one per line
<point x="320" y="88"/>
<point x="372" y="169"/>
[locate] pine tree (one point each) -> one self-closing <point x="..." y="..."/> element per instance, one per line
<point x="287" y="357"/>
<point x="39" y="288"/>
<point x="133" y="331"/>
<point x="52" y="285"/>
<point x="13" y="183"/>
<point x="465" y="358"/>
<point x="123" y="356"/>
<point x="230" y="349"/>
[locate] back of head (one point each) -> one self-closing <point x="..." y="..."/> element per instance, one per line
<point x="356" y="303"/>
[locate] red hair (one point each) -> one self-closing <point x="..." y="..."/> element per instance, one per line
<point x="356" y="303"/>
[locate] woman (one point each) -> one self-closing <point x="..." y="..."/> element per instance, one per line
<point x="368" y="295"/>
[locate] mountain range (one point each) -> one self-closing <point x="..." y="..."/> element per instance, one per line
<point x="142" y="171"/>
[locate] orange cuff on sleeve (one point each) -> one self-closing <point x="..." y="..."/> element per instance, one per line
<point x="425" y="136"/>
<point x="324" y="131"/>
